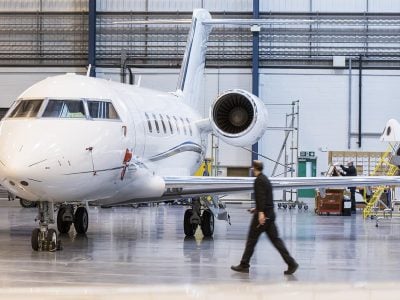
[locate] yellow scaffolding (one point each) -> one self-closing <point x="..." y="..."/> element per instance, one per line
<point x="383" y="167"/>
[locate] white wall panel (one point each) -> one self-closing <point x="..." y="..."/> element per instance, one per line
<point x="285" y="5"/>
<point x="13" y="81"/>
<point x="323" y="99"/>
<point x="389" y="6"/>
<point x="339" y="5"/>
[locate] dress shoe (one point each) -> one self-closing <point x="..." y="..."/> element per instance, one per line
<point x="291" y="269"/>
<point x="240" y="268"/>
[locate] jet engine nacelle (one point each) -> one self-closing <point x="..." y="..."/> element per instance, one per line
<point x="238" y="117"/>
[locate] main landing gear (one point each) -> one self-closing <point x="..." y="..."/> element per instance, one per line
<point x="66" y="217"/>
<point x="194" y="218"/>
<point x="45" y="238"/>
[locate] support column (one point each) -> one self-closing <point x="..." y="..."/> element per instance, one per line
<point x="360" y="68"/>
<point x="92" y="38"/>
<point x="255" y="65"/>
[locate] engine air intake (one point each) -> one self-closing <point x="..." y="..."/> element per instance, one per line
<point x="233" y="113"/>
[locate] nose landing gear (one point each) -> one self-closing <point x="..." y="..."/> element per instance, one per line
<point x="43" y="238"/>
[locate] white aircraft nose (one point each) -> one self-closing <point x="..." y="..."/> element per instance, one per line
<point x="23" y="154"/>
<point x="18" y="176"/>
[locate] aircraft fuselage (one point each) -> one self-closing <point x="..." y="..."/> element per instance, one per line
<point x="44" y="157"/>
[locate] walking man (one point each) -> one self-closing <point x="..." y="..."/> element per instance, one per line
<point x="263" y="221"/>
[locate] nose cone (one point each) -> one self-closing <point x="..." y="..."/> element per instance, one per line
<point x="17" y="168"/>
<point x="24" y="155"/>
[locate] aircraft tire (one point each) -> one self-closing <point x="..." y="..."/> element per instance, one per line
<point x="51" y="240"/>
<point x="35" y="239"/>
<point x="81" y="220"/>
<point x="27" y="203"/>
<point x="62" y="226"/>
<point x="188" y="228"/>
<point x="207" y="223"/>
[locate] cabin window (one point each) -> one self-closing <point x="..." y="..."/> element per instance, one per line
<point x="26" y="109"/>
<point x="177" y="125"/>
<point x="190" y="126"/>
<point x="170" y="125"/>
<point x="156" y="122"/>
<point x="163" y="124"/>
<point x="102" y="110"/>
<point x="64" y="109"/>
<point x="148" y="122"/>
<point x="184" y="126"/>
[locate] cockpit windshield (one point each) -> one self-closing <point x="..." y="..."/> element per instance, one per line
<point x="101" y="110"/>
<point x="64" y="109"/>
<point x="26" y="109"/>
<point x="90" y="109"/>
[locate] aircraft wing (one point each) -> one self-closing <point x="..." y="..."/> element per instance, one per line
<point x="196" y="186"/>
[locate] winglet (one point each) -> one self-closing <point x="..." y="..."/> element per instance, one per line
<point x="391" y="133"/>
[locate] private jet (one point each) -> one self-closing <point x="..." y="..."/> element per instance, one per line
<point x="72" y="139"/>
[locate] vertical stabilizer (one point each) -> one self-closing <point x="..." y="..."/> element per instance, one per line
<point x="192" y="70"/>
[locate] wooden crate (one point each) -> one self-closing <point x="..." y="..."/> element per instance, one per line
<point x="332" y="203"/>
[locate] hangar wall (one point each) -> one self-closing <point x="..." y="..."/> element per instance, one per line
<point x="13" y="81"/>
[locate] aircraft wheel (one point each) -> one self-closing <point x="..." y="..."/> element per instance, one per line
<point x="35" y="239"/>
<point x="51" y="240"/>
<point x="62" y="226"/>
<point x="188" y="228"/>
<point x="81" y="220"/>
<point x="305" y="207"/>
<point x="27" y="203"/>
<point x="207" y="223"/>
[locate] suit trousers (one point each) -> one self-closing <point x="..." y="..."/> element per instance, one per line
<point x="272" y="232"/>
<point x="353" y="198"/>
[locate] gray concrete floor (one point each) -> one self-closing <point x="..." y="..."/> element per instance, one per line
<point x="145" y="247"/>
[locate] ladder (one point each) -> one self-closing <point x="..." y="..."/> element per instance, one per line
<point x="382" y="167"/>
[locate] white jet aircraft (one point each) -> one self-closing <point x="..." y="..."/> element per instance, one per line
<point x="72" y="139"/>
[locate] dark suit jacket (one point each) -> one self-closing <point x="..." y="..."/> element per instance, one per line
<point x="263" y="196"/>
<point x="350" y="171"/>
